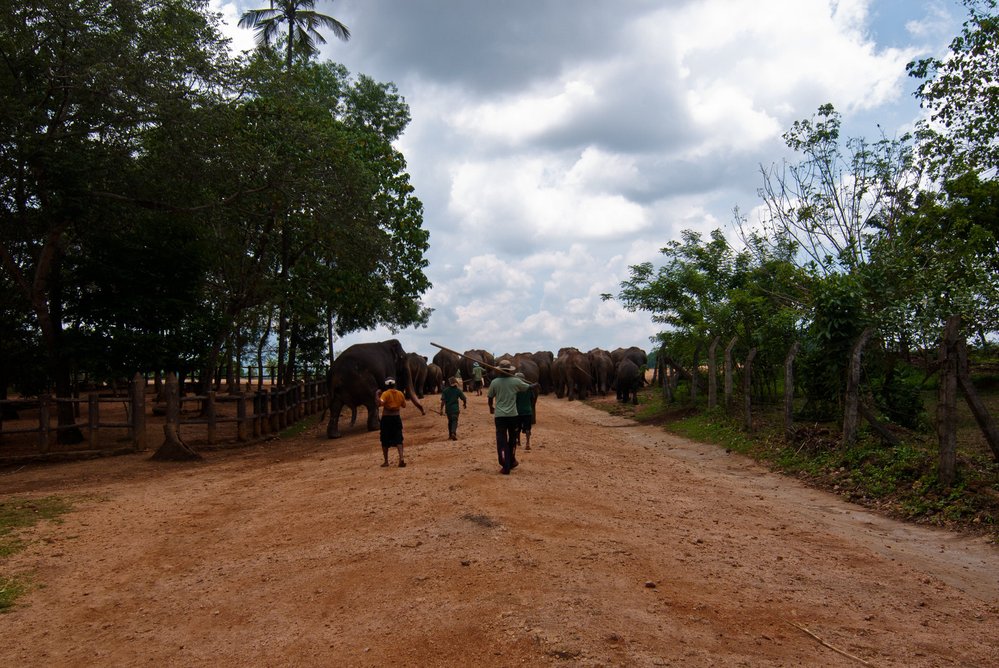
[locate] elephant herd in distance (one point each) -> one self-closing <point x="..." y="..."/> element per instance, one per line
<point x="359" y="372"/>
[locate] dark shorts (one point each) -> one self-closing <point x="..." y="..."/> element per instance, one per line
<point x="524" y="423"/>
<point x="476" y="384"/>
<point x="391" y="430"/>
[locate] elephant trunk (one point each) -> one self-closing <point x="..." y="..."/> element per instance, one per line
<point x="411" y="391"/>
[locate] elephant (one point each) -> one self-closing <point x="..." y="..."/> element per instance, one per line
<point x="635" y="354"/>
<point x="571" y="374"/>
<point x="526" y="365"/>
<point x="435" y="380"/>
<point x="471" y="356"/>
<point x="359" y="372"/>
<point x="418" y="371"/>
<point x="448" y="363"/>
<point x="629" y="379"/>
<point x="544" y="359"/>
<point x="601" y="370"/>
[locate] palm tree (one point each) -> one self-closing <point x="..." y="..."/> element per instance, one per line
<point x="303" y="26"/>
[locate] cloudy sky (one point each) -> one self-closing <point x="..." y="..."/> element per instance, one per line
<point x="555" y="143"/>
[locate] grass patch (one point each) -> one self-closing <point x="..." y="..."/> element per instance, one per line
<point x="296" y="429"/>
<point x="10" y="590"/>
<point x="18" y="514"/>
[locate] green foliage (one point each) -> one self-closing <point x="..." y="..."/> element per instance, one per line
<point x="838" y="318"/>
<point x="166" y="199"/>
<point x="961" y="92"/>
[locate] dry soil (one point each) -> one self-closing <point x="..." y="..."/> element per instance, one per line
<point x="611" y="544"/>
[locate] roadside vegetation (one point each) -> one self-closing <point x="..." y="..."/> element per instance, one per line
<point x="898" y="480"/>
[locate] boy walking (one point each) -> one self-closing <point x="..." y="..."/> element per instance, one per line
<point x="450" y="397"/>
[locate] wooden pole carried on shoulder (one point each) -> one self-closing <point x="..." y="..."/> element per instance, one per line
<point x="481" y="362"/>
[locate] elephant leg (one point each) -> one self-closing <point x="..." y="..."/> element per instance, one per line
<point x="353" y="415"/>
<point x="373" y="422"/>
<point x="333" y="426"/>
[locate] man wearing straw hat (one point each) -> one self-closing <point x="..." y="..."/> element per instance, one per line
<point x="503" y="389"/>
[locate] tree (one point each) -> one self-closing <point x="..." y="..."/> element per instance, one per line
<point x="830" y="202"/>
<point x="961" y="92"/>
<point x="303" y="24"/>
<point x="83" y="84"/>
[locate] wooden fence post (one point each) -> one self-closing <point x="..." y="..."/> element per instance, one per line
<point x="713" y="373"/>
<point x="747" y="376"/>
<point x="241" y="418"/>
<point x="728" y="371"/>
<point x="138" y="401"/>
<point x="210" y="415"/>
<point x="789" y="390"/>
<point x="274" y="411"/>
<point x="93" y="418"/>
<point x="947" y="403"/>
<point x="44" y="401"/>
<point x="978" y="408"/>
<point x="850" y="408"/>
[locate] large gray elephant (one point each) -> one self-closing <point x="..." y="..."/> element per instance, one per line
<point x="628" y="380"/>
<point x="571" y="374"/>
<point x="359" y="372"/>
<point x="435" y="380"/>
<point x="601" y="370"/>
<point x="635" y="354"/>
<point x="544" y="359"/>
<point x="418" y="371"/>
<point x="448" y="363"/>
<point x="472" y="356"/>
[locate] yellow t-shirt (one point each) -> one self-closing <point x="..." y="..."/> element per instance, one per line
<point x="392" y="399"/>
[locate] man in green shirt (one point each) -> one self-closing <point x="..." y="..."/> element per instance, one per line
<point x="477" y="378"/>
<point x="450" y="397"/>
<point x="504" y="390"/>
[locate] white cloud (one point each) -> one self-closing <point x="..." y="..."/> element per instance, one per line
<point x="555" y="148"/>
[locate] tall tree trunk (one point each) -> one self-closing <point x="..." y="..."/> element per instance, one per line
<point x="47" y="300"/>
<point x="947" y="403"/>
<point x="789" y="390"/>
<point x="713" y="373"/>
<point x="728" y="371"/>
<point x="694" y="372"/>
<point x="291" y="375"/>
<point x="261" y="343"/>
<point x="851" y="400"/>
<point x="747" y="389"/>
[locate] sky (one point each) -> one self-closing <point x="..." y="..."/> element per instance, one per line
<point x="556" y="143"/>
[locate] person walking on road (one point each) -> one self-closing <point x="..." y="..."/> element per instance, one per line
<point x="392" y="401"/>
<point x="525" y="416"/>
<point x="502" y="399"/>
<point x="477" y="372"/>
<point x="450" y="397"/>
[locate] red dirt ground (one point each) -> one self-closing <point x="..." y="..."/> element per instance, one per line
<point x="612" y="544"/>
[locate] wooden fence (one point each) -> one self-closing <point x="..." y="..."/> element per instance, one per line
<point x="135" y="424"/>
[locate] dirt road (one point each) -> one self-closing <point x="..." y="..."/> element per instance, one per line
<point x="611" y="544"/>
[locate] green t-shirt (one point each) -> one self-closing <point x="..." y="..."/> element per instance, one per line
<point x="450" y="398"/>
<point x="504" y="390"/>
<point x="524" y="402"/>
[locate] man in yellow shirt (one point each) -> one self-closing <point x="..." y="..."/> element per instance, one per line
<point x="392" y="401"/>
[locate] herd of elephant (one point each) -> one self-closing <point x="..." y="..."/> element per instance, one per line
<point x="360" y="371"/>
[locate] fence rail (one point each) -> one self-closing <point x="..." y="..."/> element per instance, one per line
<point x="257" y="413"/>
